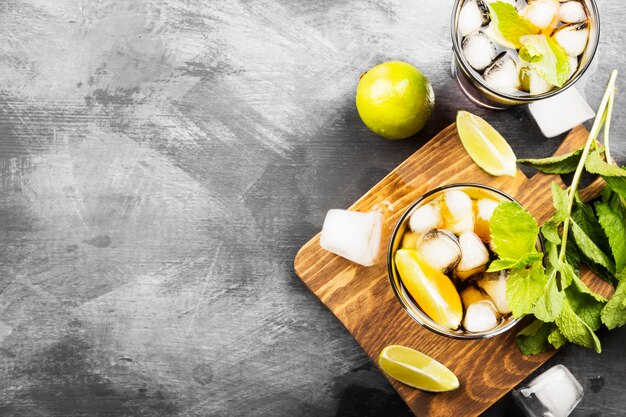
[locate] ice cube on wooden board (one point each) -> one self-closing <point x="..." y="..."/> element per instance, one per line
<point x="353" y="235"/>
<point x="560" y="113"/>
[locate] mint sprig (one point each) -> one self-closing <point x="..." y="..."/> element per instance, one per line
<point x="566" y="310"/>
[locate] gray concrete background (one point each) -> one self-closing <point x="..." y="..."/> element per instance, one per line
<point x="161" y="163"/>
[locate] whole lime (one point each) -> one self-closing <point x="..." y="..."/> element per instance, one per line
<point x="394" y="99"/>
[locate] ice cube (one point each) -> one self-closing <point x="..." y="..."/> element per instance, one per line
<point x="426" y="218"/>
<point x="457" y="212"/>
<point x="478" y="50"/>
<point x="502" y="75"/>
<point x="494" y="284"/>
<point x="554" y="393"/>
<point x="353" y="235"/>
<point x="558" y="114"/>
<point x="480" y="317"/>
<point x="474" y="256"/>
<point x="484" y="210"/>
<point x="572" y="37"/>
<point x="532" y="82"/>
<point x="543" y="13"/>
<point x="440" y="250"/>
<point x="473" y="15"/>
<point x="572" y="12"/>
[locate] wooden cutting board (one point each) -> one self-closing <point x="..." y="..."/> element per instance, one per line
<point x="363" y="300"/>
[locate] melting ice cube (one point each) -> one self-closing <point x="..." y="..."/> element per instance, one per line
<point x="543" y="14"/>
<point x="573" y="37"/>
<point x="555" y="393"/>
<point x="473" y="15"/>
<point x="458" y="212"/>
<point x="502" y="75"/>
<point x="572" y="11"/>
<point x="353" y="235"/>
<point x="474" y="256"/>
<point x="439" y="249"/>
<point x="426" y="218"/>
<point x="480" y="317"/>
<point x="478" y="50"/>
<point x="494" y="284"/>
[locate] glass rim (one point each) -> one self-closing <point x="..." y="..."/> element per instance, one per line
<point x="456" y="48"/>
<point x="419" y="316"/>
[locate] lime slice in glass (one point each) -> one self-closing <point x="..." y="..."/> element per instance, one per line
<point x="415" y="369"/>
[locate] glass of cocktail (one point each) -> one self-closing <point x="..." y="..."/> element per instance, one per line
<point x="512" y="52"/>
<point x="438" y="262"/>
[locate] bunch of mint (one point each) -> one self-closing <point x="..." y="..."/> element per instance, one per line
<point x="565" y="309"/>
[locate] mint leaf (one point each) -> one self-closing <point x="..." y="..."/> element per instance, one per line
<point x="524" y="287"/>
<point x="533" y="339"/>
<point x="575" y="329"/>
<point x="588" y="247"/>
<point x="550" y="231"/>
<point x="584" y="289"/>
<point x="614" y="224"/>
<point x="586" y="306"/>
<point x="567" y="274"/>
<point x="548" y="306"/>
<point x="554" y="66"/>
<point x="513" y="231"/>
<point x="585" y="217"/>
<point x="614" y="312"/>
<point x="530" y="54"/>
<point x="614" y="176"/>
<point x="572" y="256"/>
<point x="510" y="24"/>
<point x="563" y="164"/>
<point x="559" y="201"/>
<point x="526" y="260"/>
<point x="556" y="338"/>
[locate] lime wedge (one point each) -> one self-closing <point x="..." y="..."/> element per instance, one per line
<point x="485" y="145"/>
<point x="417" y="370"/>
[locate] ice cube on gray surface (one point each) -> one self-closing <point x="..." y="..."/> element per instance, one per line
<point x="554" y="393"/>
<point x="478" y="50"/>
<point x="502" y="75"/>
<point x="561" y="112"/>
<point x="473" y="15"/>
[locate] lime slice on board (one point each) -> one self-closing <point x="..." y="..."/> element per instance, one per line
<point x="485" y="145"/>
<point x="417" y="370"/>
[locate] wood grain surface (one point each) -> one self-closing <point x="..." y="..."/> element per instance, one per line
<point x="363" y="300"/>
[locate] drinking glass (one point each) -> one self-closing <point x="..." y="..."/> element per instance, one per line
<point x="476" y="89"/>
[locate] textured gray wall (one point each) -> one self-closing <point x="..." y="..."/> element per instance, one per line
<point x="161" y="163"/>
